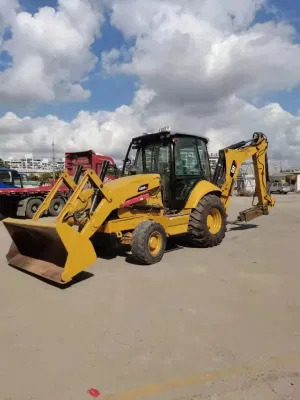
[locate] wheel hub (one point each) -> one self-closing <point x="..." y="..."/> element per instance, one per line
<point x="155" y="243"/>
<point x="214" y="221"/>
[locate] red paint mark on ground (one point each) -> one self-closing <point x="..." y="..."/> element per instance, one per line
<point x="94" y="393"/>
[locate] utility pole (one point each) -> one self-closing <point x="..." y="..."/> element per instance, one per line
<point x="53" y="159"/>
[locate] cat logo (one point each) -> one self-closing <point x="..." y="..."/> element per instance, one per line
<point x="233" y="169"/>
<point x="142" y="188"/>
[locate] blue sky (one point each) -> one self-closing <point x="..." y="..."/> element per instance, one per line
<point x="110" y="92"/>
<point x="107" y="93"/>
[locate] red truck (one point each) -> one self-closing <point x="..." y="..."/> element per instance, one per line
<point x="19" y="199"/>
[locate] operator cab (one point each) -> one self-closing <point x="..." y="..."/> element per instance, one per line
<point x="181" y="160"/>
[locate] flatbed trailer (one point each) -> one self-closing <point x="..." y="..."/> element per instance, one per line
<point x="17" y="200"/>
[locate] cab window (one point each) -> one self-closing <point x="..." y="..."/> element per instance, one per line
<point x="187" y="161"/>
<point x="5" y="177"/>
<point x="17" y="181"/>
<point x="204" y="158"/>
<point x="191" y="157"/>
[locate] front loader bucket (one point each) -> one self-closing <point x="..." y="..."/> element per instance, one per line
<point x="54" y="251"/>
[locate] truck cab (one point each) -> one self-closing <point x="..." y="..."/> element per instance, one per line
<point x="10" y="179"/>
<point x="90" y="160"/>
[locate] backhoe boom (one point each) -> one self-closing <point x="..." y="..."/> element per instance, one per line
<point x="229" y="163"/>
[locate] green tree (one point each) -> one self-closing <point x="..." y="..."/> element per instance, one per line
<point x="33" y="177"/>
<point x="46" y="178"/>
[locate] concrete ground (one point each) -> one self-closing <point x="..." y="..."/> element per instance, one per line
<point x="217" y="324"/>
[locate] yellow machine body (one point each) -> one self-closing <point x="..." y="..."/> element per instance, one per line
<point x="59" y="250"/>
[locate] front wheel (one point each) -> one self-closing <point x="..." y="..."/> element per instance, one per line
<point x="148" y="242"/>
<point x="207" y="224"/>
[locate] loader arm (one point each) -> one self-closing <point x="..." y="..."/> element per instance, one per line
<point x="226" y="172"/>
<point x="57" y="251"/>
<point x="63" y="179"/>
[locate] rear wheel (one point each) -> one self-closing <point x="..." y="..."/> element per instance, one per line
<point x="148" y="242"/>
<point x="207" y="224"/>
<point x="32" y="207"/>
<point x="56" y="205"/>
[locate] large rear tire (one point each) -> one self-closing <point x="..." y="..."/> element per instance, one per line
<point x="207" y="224"/>
<point x="148" y="242"/>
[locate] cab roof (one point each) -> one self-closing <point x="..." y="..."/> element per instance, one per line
<point x="165" y="134"/>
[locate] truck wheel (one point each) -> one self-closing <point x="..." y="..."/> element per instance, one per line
<point x="56" y="205"/>
<point x="207" y="224"/>
<point x="32" y="207"/>
<point x="148" y="242"/>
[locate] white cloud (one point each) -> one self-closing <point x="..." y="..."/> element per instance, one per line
<point x="205" y="60"/>
<point x="189" y="54"/>
<point x="110" y="132"/>
<point x="50" y="51"/>
<point x="199" y="63"/>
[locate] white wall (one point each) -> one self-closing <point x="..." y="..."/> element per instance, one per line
<point x="297" y="186"/>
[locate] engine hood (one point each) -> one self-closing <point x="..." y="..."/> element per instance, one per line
<point x="140" y="183"/>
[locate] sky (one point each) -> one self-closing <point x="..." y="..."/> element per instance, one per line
<point x="92" y="74"/>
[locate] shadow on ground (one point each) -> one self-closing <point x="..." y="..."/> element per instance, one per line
<point x="82" y="276"/>
<point x="241" y="227"/>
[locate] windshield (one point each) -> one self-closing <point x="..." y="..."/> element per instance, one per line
<point x="151" y="158"/>
<point x="11" y="178"/>
<point x="5" y="177"/>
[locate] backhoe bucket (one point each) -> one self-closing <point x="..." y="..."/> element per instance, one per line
<point x="54" y="251"/>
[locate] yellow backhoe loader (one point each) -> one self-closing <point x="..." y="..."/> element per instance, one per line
<point x="166" y="189"/>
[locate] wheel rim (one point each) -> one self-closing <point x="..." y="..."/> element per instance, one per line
<point x="34" y="208"/>
<point x="155" y="243"/>
<point x="214" y="221"/>
<point x="56" y="206"/>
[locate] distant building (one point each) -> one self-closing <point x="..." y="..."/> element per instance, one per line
<point x="28" y="163"/>
<point x="245" y="183"/>
<point x="292" y="177"/>
<point x="213" y="160"/>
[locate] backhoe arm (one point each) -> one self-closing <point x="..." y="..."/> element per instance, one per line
<point x="229" y="163"/>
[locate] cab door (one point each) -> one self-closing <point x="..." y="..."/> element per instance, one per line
<point x="191" y="164"/>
